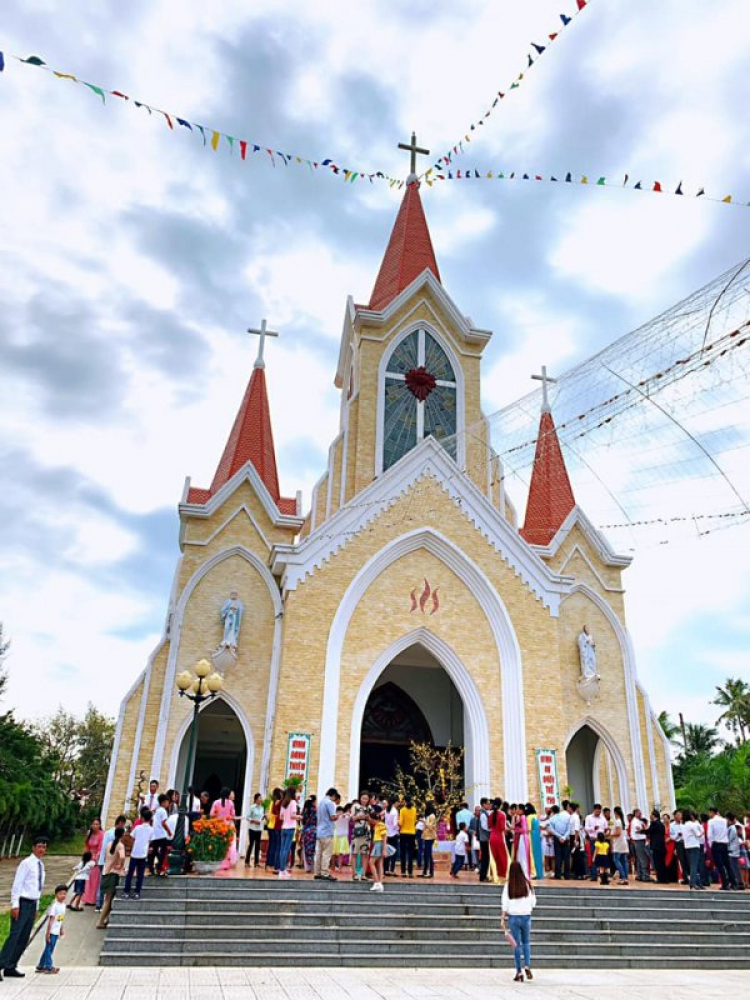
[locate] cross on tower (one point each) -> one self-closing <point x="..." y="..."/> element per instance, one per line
<point x="544" y="378"/>
<point x="413" y="148"/>
<point x="263" y="332"/>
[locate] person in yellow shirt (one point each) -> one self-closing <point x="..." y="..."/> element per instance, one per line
<point x="601" y="857"/>
<point x="407" y="828"/>
<point x="379" y="843"/>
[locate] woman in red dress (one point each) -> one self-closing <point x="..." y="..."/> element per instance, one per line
<point x="93" y="843"/>
<point x="498" y="846"/>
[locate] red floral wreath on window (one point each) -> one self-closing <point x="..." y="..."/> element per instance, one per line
<point x="420" y="383"/>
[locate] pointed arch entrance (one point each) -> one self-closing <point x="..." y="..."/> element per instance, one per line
<point x="596" y="768"/>
<point x="425" y="668"/>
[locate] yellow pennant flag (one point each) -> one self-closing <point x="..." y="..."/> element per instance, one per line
<point x="490" y="174"/>
<point x="584" y="179"/>
<point x="65" y="76"/>
<point x="727" y="200"/>
<point x="215" y="136"/>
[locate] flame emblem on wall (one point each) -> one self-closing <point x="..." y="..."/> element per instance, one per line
<point x="428" y="595"/>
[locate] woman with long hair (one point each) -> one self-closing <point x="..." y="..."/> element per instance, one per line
<point x="223" y="808"/>
<point x="114" y="867"/>
<point x="274" y="831"/>
<point x="518" y="902"/>
<point x="498" y="846"/>
<point x="428" y="840"/>
<point x="521" y="845"/>
<point x="288" y="816"/>
<point x="620" y="849"/>
<point x="535" y="837"/>
<point x="93" y="843"/>
<point x="309" y="832"/>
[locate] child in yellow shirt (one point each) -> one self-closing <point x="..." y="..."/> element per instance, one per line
<point x="379" y="841"/>
<point x="602" y="857"/>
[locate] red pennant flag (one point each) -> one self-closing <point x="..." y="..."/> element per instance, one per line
<point x="243" y="149"/>
<point x="117" y="93"/>
<point x="657" y="186"/>
<point x="553" y="36"/>
<point x="169" y="120"/>
<point x="582" y="4"/>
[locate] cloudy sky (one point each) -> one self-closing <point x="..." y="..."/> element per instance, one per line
<point x="133" y="259"/>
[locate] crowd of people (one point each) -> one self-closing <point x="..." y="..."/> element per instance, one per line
<point x="374" y="838"/>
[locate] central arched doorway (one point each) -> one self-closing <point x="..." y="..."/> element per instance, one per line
<point x="413" y="700"/>
<point x="595" y="768"/>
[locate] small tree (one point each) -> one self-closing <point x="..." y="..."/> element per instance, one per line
<point x="435" y="776"/>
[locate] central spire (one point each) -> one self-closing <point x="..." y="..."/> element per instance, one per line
<point x="409" y="251"/>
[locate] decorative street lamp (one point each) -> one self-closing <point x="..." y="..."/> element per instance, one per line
<point x="199" y="687"/>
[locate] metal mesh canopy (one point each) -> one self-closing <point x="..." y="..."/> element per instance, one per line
<point x="655" y="428"/>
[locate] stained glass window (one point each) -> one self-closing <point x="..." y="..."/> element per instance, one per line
<point x="420" y="397"/>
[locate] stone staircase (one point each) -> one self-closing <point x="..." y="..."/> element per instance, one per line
<point x="264" y="922"/>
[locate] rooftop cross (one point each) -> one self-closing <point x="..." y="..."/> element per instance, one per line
<point x="544" y="378"/>
<point x="263" y="332"/>
<point x="413" y="148"/>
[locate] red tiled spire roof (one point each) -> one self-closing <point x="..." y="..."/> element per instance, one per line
<point x="408" y="253"/>
<point x="550" y="494"/>
<point x="250" y="440"/>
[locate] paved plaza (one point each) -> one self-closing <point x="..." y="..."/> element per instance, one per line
<point x="369" y="984"/>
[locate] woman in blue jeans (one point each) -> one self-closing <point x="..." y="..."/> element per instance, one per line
<point x="518" y="902"/>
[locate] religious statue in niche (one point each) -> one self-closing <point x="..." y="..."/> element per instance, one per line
<point x="231" y="615"/>
<point x="588" y="683"/>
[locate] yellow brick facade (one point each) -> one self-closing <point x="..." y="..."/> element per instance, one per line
<point x="507" y="621"/>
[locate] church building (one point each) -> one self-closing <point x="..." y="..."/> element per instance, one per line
<point x="411" y="602"/>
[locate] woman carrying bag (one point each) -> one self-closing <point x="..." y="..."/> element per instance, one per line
<point x="518" y="902"/>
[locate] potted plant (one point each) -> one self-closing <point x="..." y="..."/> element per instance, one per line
<point x="208" y="844"/>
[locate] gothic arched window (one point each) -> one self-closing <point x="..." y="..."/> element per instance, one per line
<point x="420" y="397"/>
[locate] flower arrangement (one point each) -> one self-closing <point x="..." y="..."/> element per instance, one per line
<point x="210" y="839"/>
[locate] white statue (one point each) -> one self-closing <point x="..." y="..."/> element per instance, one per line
<point x="587" y="651"/>
<point x="231" y="615"/>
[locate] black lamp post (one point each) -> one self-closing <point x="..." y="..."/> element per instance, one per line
<point x="199" y="687"/>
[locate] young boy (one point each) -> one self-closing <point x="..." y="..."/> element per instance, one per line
<point x="602" y="857"/>
<point x="54" y="931"/>
<point x="80" y="878"/>
<point x="141" y="835"/>
<point x="459" y="850"/>
<point x="379" y="841"/>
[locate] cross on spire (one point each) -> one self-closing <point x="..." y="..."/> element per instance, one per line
<point x="544" y="378"/>
<point x="263" y="332"/>
<point x="413" y="148"/>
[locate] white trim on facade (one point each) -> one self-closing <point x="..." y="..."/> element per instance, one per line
<point x="508" y="650"/>
<point x="630" y="679"/>
<point x="175" y="780"/>
<point x="655" y="785"/>
<point x="615" y="753"/>
<point x="577" y="550"/>
<point x="427" y="459"/>
<point x="141" y="722"/>
<point x="168" y="692"/>
<point x="476" y="728"/>
<point x="238" y="510"/>
<point x="444" y="342"/>
<point x="604" y="550"/>
<point x="246" y="472"/>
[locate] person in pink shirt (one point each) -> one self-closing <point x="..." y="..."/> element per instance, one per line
<point x="223" y="808"/>
<point x="288" y="817"/>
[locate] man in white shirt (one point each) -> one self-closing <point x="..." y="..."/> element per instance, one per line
<point x="693" y="838"/>
<point x="677" y="833"/>
<point x="160" y="837"/>
<point x="24" y="902"/>
<point x="638" y="836"/>
<point x="594" y="824"/>
<point x="718" y="841"/>
<point x="151" y="801"/>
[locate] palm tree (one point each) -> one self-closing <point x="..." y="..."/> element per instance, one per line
<point x="669" y="728"/>
<point x="734" y="698"/>
<point x="700" y="740"/>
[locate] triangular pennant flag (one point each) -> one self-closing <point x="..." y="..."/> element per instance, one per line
<point x="490" y="175"/>
<point x="243" y="149"/>
<point x="95" y="89"/>
<point x="202" y="132"/>
<point x="512" y="175"/>
<point x="450" y="177"/>
<point x="355" y="175"/>
<point x="584" y="179"/>
<point x="273" y="160"/>
<point x="34" y="61"/>
<point x="256" y="148"/>
<point x="565" y="19"/>
<point x="601" y="181"/>
<point x="553" y="178"/>
<point x="568" y="178"/>
<point x="500" y="95"/>
<point x="538" y="177"/>
<point x="553" y="36"/>
<point x="727" y="200"/>
<point x="347" y="174"/>
<point x="531" y="61"/>
<point x="458" y="175"/>
<point x="626" y="180"/>
<point x="2" y="62"/>
<point x="139" y="104"/>
<point x="169" y="120"/>
<point x="702" y="191"/>
<point x="513" y="86"/>
<point x="230" y="140"/>
<point x="539" y="48"/>
<point x="62" y="76"/>
<point x="657" y="186"/>
<point x="119" y="93"/>
<point x="215" y="136"/>
<point x="678" y="189"/>
<point x="181" y="121"/>
<point x="525" y="177"/>
<point x="639" y="186"/>
<point x="476" y="173"/>
<point x="582" y="4"/>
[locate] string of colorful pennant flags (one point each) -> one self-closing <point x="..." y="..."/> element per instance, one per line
<point x="214" y="137"/>
<point x="442" y="170"/>
<point x="539" y="50"/>
<point x="432" y="175"/>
